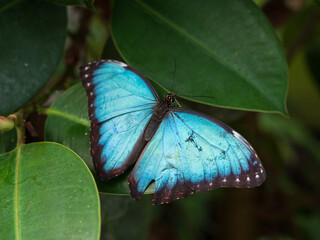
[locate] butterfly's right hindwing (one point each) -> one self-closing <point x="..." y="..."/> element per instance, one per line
<point x="120" y="106"/>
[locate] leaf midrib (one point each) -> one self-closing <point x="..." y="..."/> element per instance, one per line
<point x="71" y="117"/>
<point x="175" y="27"/>
<point x="17" y="230"/>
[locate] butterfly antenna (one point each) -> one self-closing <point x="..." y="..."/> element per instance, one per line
<point x="174" y="74"/>
<point x="196" y="96"/>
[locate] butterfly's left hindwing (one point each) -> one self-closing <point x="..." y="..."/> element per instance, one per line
<point x="120" y="103"/>
<point x="192" y="152"/>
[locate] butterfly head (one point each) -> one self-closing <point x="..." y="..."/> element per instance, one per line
<point x="170" y="98"/>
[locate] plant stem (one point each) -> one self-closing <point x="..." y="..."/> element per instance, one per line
<point x="20" y="128"/>
<point x="42" y="110"/>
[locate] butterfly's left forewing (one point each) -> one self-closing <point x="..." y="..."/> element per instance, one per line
<point x="192" y="152"/>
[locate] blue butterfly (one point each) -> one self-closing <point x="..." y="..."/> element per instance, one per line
<point x="183" y="151"/>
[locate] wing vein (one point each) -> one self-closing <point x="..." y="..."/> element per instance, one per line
<point x="144" y="166"/>
<point x="138" y="95"/>
<point x="125" y="147"/>
<point x="184" y="150"/>
<point x="198" y="133"/>
<point x="127" y="130"/>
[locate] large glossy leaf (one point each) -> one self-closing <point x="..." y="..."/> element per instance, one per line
<point x="47" y="192"/>
<point x="31" y="44"/>
<point x="224" y="49"/>
<point x="68" y="124"/>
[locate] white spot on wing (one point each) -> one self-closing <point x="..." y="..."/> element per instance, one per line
<point x="237" y="135"/>
<point x="121" y="64"/>
<point x="86" y="68"/>
<point x="224" y="180"/>
<point x="86" y="75"/>
<point x="237" y="180"/>
<point x="248" y="179"/>
<point x="88" y="84"/>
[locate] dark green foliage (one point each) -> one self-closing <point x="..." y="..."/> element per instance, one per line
<point x="32" y="39"/>
<point x="230" y="44"/>
<point x="226" y="52"/>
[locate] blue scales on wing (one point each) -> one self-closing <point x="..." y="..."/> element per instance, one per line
<point x="193" y="152"/>
<point x="121" y="103"/>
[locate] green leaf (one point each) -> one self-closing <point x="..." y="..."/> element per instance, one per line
<point x="224" y="49"/>
<point x="8" y="140"/>
<point x="47" y="192"/>
<point x="31" y="44"/>
<point x="83" y="3"/>
<point x="68" y="124"/>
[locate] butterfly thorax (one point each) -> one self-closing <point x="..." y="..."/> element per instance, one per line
<point x="169" y="98"/>
<point x="159" y="113"/>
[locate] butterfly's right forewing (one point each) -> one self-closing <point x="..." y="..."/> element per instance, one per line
<point x="121" y="104"/>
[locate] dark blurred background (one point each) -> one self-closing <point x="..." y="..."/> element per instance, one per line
<point x="287" y="205"/>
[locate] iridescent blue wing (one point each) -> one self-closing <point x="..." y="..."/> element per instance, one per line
<point x="121" y="103"/>
<point x="193" y="152"/>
